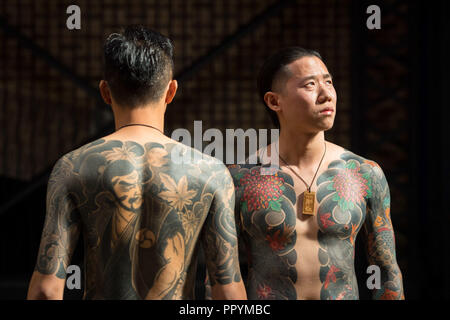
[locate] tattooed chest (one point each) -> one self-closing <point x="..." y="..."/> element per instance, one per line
<point x="267" y="209"/>
<point x="342" y="193"/>
<point x="268" y="203"/>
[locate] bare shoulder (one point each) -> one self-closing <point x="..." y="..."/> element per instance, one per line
<point x="338" y="152"/>
<point x="339" y="156"/>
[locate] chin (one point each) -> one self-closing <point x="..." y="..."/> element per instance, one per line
<point x="328" y="124"/>
<point x="324" y="126"/>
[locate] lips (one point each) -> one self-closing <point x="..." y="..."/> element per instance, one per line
<point x="326" y="111"/>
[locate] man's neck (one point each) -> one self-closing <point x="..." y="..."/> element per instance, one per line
<point x="301" y="149"/>
<point x="149" y="115"/>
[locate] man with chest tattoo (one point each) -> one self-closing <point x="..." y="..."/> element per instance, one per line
<point x="298" y="225"/>
<point x="142" y="212"/>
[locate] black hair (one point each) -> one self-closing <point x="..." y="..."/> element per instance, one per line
<point x="138" y="64"/>
<point x="272" y="69"/>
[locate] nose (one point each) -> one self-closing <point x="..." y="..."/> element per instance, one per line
<point x="325" y="95"/>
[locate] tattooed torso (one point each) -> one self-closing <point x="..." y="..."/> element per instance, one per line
<point x="295" y="256"/>
<point x="141" y="215"/>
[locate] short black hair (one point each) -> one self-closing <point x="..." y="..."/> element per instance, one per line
<point x="273" y="68"/>
<point x="138" y="64"/>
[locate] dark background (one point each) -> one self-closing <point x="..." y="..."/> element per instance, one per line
<point x="392" y="86"/>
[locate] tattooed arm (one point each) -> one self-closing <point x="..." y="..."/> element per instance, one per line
<point x="59" y="236"/>
<point x="233" y="169"/>
<point x="220" y="243"/>
<point x="380" y="239"/>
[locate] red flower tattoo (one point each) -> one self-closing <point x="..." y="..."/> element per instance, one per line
<point x="343" y="294"/>
<point x="277" y="242"/>
<point x="331" y="276"/>
<point x="324" y="220"/>
<point x="351" y="187"/>
<point x="260" y="189"/>
<point x="264" y="292"/>
<point x="389" y="295"/>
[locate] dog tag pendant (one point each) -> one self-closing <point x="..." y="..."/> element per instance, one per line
<point x="309" y="199"/>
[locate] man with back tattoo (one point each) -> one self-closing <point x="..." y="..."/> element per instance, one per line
<point x="298" y="225"/>
<point x="142" y="213"/>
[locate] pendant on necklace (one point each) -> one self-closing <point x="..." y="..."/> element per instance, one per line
<point x="309" y="199"/>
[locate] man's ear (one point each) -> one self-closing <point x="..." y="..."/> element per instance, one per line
<point x="173" y="86"/>
<point x="105" y="92"/>
<point x="272" y="100"/>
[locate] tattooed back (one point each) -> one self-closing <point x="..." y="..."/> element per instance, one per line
<point x="140" y="212"/>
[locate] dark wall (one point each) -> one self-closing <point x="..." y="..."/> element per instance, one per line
<point x="430" y="148"/>
<point x="402" y="122"/>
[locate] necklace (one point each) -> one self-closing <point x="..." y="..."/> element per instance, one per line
<point x="139" y="124"/>
<point x="309" y="198"/>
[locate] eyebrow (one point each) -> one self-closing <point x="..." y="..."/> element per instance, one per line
<point x="325" y="76"/>
<point x="124" y="183"/>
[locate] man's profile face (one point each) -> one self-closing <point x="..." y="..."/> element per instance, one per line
<point x="307" y="97"/>
<point x="128" y="191"/>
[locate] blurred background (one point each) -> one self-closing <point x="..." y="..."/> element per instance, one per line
<point x="392" y="87"/>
